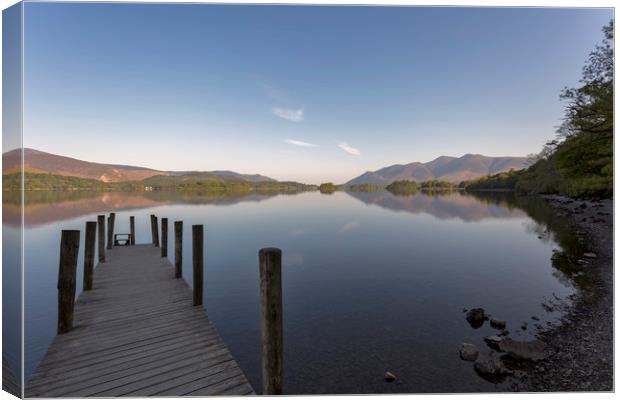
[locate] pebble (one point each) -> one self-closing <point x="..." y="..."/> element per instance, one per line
<point x="390" y="377"/>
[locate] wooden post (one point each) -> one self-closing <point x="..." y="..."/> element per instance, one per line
<point x="197" y="256"/>
<point x="153" y="229"/>
<point x="164" y="237"/>
<point x="178" y="249"/>
<point x="270" y="265"/>
<point x="89" y="254"/>
<point x="132" y="229"/>
<point x="101" y="237"/>
<point x="113" y="217"/>
<point x="69" y="247"/>
<point x="156" y="230"/>
<point x="110" y="233"/>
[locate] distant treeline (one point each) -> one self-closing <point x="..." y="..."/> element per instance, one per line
<point x="40" y="182"/>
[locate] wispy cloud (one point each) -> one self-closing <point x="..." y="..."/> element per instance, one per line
<point x="300" y="143"/>
<point x="289" y="114"/>
<point x="348" y="149"/>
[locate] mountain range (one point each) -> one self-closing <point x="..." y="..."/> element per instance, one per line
<point x="452" y="169"/>
<point x="42" y="162"/>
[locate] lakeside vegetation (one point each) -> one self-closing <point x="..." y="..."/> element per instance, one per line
<point x="183" y="183"/>
<point x="579" y="161"/>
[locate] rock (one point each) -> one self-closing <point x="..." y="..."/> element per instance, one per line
<point x="505" y="332"/>
<point x="493" y="341"/>
<point x="498" y="324"/>
<point x="589" y="255"/>
<point x="534" y="350"/>
<point x="390" y="377"/>
<point x="535" y="318"/>
<point x="490" y="364"/>
<point x="468" y="352"/>
<point x="583" y="205"/>
<point x="475" y="317"/>
<point x="524" y="326"/>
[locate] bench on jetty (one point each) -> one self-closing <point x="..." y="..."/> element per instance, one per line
<point x="138" y="330"/>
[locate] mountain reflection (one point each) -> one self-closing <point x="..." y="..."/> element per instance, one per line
<point x="442" y="205"/>
<point x="47" y="206"/>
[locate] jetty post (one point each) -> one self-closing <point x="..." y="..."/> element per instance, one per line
<point x="69" y="246"/>
<point x="89" y="254"/>
<point x="164" y="237"/>
<point x="110" y="233"/>
<point x="132" y="230"/>
<point x="270" y="265"/>
<point x="152" y="229"/>
<point x="101" y="237"/>
<point x="155" y="231"/>
<point x="178" y="249"/>
<point x="198" y="262"/>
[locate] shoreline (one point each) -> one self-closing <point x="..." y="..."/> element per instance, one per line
<point x="582" y="348"/>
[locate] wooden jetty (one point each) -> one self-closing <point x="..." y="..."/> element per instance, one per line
<point x="137" y="333"/>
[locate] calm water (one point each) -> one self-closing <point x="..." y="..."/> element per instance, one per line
<point x="372" y="282"/>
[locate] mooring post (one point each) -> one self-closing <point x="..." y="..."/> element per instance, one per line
<point x="101" y="237"/>
<point x="164" y="237"/>
<point x="89" y="254"/>
<point x="69" y="247"/>
<point x="156" y="230"/>
<point x="197" y="256"/>
<point x="270" y="265"/>
<point x="153" y="228"/>
<point x="132" y="230"/>
<point x="110" y="233"/>
<point x="178" y="249"/>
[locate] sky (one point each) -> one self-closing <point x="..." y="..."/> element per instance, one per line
<point x="303" y="93"/>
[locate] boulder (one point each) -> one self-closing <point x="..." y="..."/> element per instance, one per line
<point x="490" y="364"/>
<point x="476" y="317"/>
<point x="589" y="255"/>
<point x="468" y="352"/>
<point x="498" y="324"/>
<point x="390" y="377"/>
<point x="493" y="341"/>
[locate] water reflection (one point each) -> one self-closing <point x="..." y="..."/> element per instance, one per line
<point x="368" y="289"/>
<point x="442" y="204"/>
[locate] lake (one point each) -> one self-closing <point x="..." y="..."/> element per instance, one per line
<point x="372" y="282"/>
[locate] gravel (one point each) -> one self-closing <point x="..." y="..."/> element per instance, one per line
<point x="581" y="346"/>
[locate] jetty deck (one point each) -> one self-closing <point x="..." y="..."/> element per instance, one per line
<point x="136" y="333"/>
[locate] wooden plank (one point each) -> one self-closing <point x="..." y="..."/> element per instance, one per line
<point x="137" y="333"/>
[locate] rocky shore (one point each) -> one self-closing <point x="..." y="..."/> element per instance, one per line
<point x="581" y="347"/>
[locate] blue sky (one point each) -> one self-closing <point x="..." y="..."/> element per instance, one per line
<point x="296" y="92"/>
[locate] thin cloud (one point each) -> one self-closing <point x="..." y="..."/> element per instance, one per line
<point x="300" y="143"/>
<point x="348" y="149"/>
<point x="289" y="114"/>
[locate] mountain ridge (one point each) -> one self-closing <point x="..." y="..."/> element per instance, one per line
<point x="43" y="162"/>
<point x="447" y="168"/>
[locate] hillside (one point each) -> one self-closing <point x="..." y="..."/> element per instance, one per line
<point x="36" y="161"/>
<point x="451" y="169"/>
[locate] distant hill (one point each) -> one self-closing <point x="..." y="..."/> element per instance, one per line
<point x="41" y="162"/>
<point x="452" y="169"/>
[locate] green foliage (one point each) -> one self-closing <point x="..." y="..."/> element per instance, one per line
<point x="48" y="182"/>
<point x="403" y="187"/>
<point x="327" y="188"/>
<point x="365" y="187"/>
<point x="500" y="181"/>
<point x="37" y="181"/>
<point x="435" y="184"/>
